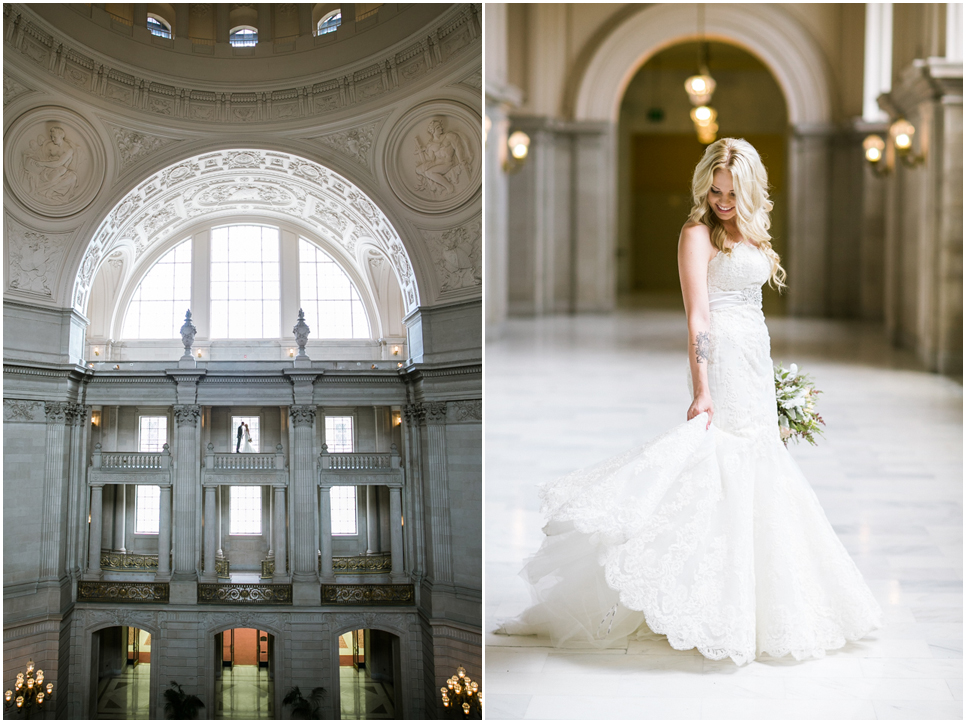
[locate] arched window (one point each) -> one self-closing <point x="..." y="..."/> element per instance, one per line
<point x="245" y="288"/>
<point x="157" y="308"/>
<point x="330" y="22"/>
<point x="244" y="36"/>
<point x="159" y="26"/>
<point x="332" y="305"/>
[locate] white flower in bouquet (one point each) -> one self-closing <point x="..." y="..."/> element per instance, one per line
<point x="795" y="396"/>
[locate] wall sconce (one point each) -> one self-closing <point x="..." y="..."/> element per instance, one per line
<point x="398" y="365"/>
<point x="199" y="353"/>
<point x="396" y="419"/>
<point x="97" y="352"/>
<point x="291" y="352"/>
<point x="901" y="133"/>
<point x="395" y="351"/>
<point x="96" y="419"/>
<point x="519" y="145"/>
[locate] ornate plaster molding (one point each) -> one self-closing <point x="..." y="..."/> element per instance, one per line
<point x="388" y="74"/>
<point x="457" y="255"/>
<point x="34" y="259"/>
<point x="186" y="415"/>
<point x="21" y="410"/>
<point x="134" y="145"/>
<point x="229" y="182"/>
<point x="355" y="143"/>
<point x="302" y="415"/>
<point x="467" y="410"/>
<point x="12" y="89"/>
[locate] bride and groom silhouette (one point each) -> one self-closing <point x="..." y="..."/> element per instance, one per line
<point x="243" y="433"/>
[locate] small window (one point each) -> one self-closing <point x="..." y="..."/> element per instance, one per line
<point x="338" y="434"/>
<point x="243" y="36"/>
<point x="246" y="510"/>
<point x="147" y="510"/>
<point x="338" y="437"/>
<point x="153" y="434"/>
<point x="330" y="22"/>
<point x="158" y="26"/>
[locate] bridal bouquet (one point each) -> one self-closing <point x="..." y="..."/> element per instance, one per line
<point x="796" y="395"/>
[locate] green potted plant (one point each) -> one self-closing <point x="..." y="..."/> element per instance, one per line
<point x="178" y="705"/>
<point x="305" y="708"/>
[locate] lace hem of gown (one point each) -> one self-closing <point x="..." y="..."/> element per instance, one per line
<point x="714" y="540"/>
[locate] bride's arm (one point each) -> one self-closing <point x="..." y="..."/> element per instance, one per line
<point x="694" y="253"/>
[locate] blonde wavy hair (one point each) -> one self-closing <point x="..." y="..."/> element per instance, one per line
<point x="751" y="193"/>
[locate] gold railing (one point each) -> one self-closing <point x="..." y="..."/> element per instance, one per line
<point x="222" y="568"/>
<point x="122" y="592"/>
<point x="128" y="562"/>
<point x="361" y="564"/>
<point x="244" y="594"/>
<point x="368" y="595"/>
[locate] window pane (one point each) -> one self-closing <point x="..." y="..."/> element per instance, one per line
<point x="246" y="510"/>
<point x="244" y="282"/>
<point x="147" y="510"/>
<point x="328" y="296"/>
<point x="154" y="434"/>
<point x="160" y="301"/>
<point x="344" y="515"/>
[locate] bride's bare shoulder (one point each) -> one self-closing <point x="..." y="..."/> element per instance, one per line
<point x="696" y="239"/>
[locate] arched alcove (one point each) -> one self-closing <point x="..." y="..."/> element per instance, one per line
<point x="793" y="57"/>
<point x="92" y="653"/>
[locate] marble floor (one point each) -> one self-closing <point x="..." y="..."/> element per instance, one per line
<point x="244" y="692"/>
<point x="127" y="696"/>
<point x="362" y="698"/>
<point x="565" y="392"/>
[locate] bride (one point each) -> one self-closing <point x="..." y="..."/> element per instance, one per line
<point x="709" y="535"/>
<point x="247" y="441"/>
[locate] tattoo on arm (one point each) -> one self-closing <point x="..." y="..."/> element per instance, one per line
<point x="702" y="346"/>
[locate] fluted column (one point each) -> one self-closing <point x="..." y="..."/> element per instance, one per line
<point x="396" y="532"/>
<point x="164" y="534"/>
<point x="52" y="553"/>
<point x="303" y="493"/>
<point x="281" y="561"/>
<point x="97" y="512"/>
<point x="372" y="519"/>
<point x="413" y="534"/>
<point x="76" y="523"/>
<point x="435" y="472"/>
<point x="325" y="533"/>
<point x="184" y="490"/>
<point x="209" y="571"/>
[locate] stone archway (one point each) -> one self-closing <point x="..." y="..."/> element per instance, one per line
<point x="220" y="183"/>
<point x="796" y="61"/>
<point x="91" y="653"/>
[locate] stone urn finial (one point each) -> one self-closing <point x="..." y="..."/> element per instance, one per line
<point x="301" y="331"/>
<point x="188" y="332"/>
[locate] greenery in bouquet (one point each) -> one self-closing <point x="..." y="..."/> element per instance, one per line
<point x="796" y="394"/>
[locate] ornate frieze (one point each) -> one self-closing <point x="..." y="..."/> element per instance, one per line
<point x="354" y="143"/>
<point x="187" y="414"/>
<point x="368" y="595"/>
<point x="15" y="410"/>
<point x="122" y="592"/>
<point x="57" y="412"/>
<point x="457" y="256"/>
<point x="128" y="562"/>
<point x="361" y="564"/>
<point x="133" y="145"/>
<point x="302" y="415"/>
<point x="467" y="410"/>
<point x="35" y="258"/>
<point x="239" y="594"/>
<point x="435" y="412"/>
<point x="456" y="32"/>
<point x="12" y="89"/>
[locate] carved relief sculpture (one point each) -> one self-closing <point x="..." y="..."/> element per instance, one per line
<point x="442" y="162"/>
<point x="33" y="257"/>
<point x="48" y="167"/>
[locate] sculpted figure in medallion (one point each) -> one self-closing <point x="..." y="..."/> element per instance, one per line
<point x="441" y="160"/>
<point x="48" y="167"/>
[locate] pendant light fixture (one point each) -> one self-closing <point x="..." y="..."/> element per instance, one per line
<point x="700" y="88"/>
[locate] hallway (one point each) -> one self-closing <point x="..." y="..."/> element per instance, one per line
<point x="566" y="392"/>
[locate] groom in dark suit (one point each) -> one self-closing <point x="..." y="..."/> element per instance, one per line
<point x="241" y="429"/>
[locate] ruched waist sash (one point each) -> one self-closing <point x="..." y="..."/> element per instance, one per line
<point x="750" y="296"/>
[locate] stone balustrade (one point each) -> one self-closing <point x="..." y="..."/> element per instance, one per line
<point x="358" y="461"/>
<point x="131" y="461"/>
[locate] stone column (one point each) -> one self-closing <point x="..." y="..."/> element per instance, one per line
<point x="209" y="571"/>
<point x="53" y="554"/>
<point x="164" y="535"/>
<point x="97" y="512"/>
<point x="181" y="20"/>
<point x="281" y="561"/>
<point x="372" y="519"/>
<point x="305" y="19"/>
<point x="77" y="486"/>
<point x="218" y="520"/>
<point x="123" y="517"/>
<point x="303" y="486"/>
<point x="184" y="497"/>
<point x="264" y="23"/>
<point x="325" y="534"/>
<point x="441" y="564"/>
<point x="222" y="23"/>
<point x="140" y="15"/>
<point x="396" y="533"/>
<point x="413" y="533"/>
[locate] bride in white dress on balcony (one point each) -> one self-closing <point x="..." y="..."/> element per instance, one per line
<point x="709" y="535"/>
<point x="247" y="442"/>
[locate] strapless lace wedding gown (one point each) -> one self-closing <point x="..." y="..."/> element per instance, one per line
<point x="710" y="537"/>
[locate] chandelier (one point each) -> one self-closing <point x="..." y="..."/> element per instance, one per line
<point x="461" y="693"/>
<point x="700" y="88"/>
<point x="28" y="691"/>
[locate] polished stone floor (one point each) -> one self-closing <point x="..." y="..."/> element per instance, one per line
<point x="127" y="696"/>
<point x="362" y="698"/>
<point x="564" y="392"/>
<point x="244" y="692"/>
